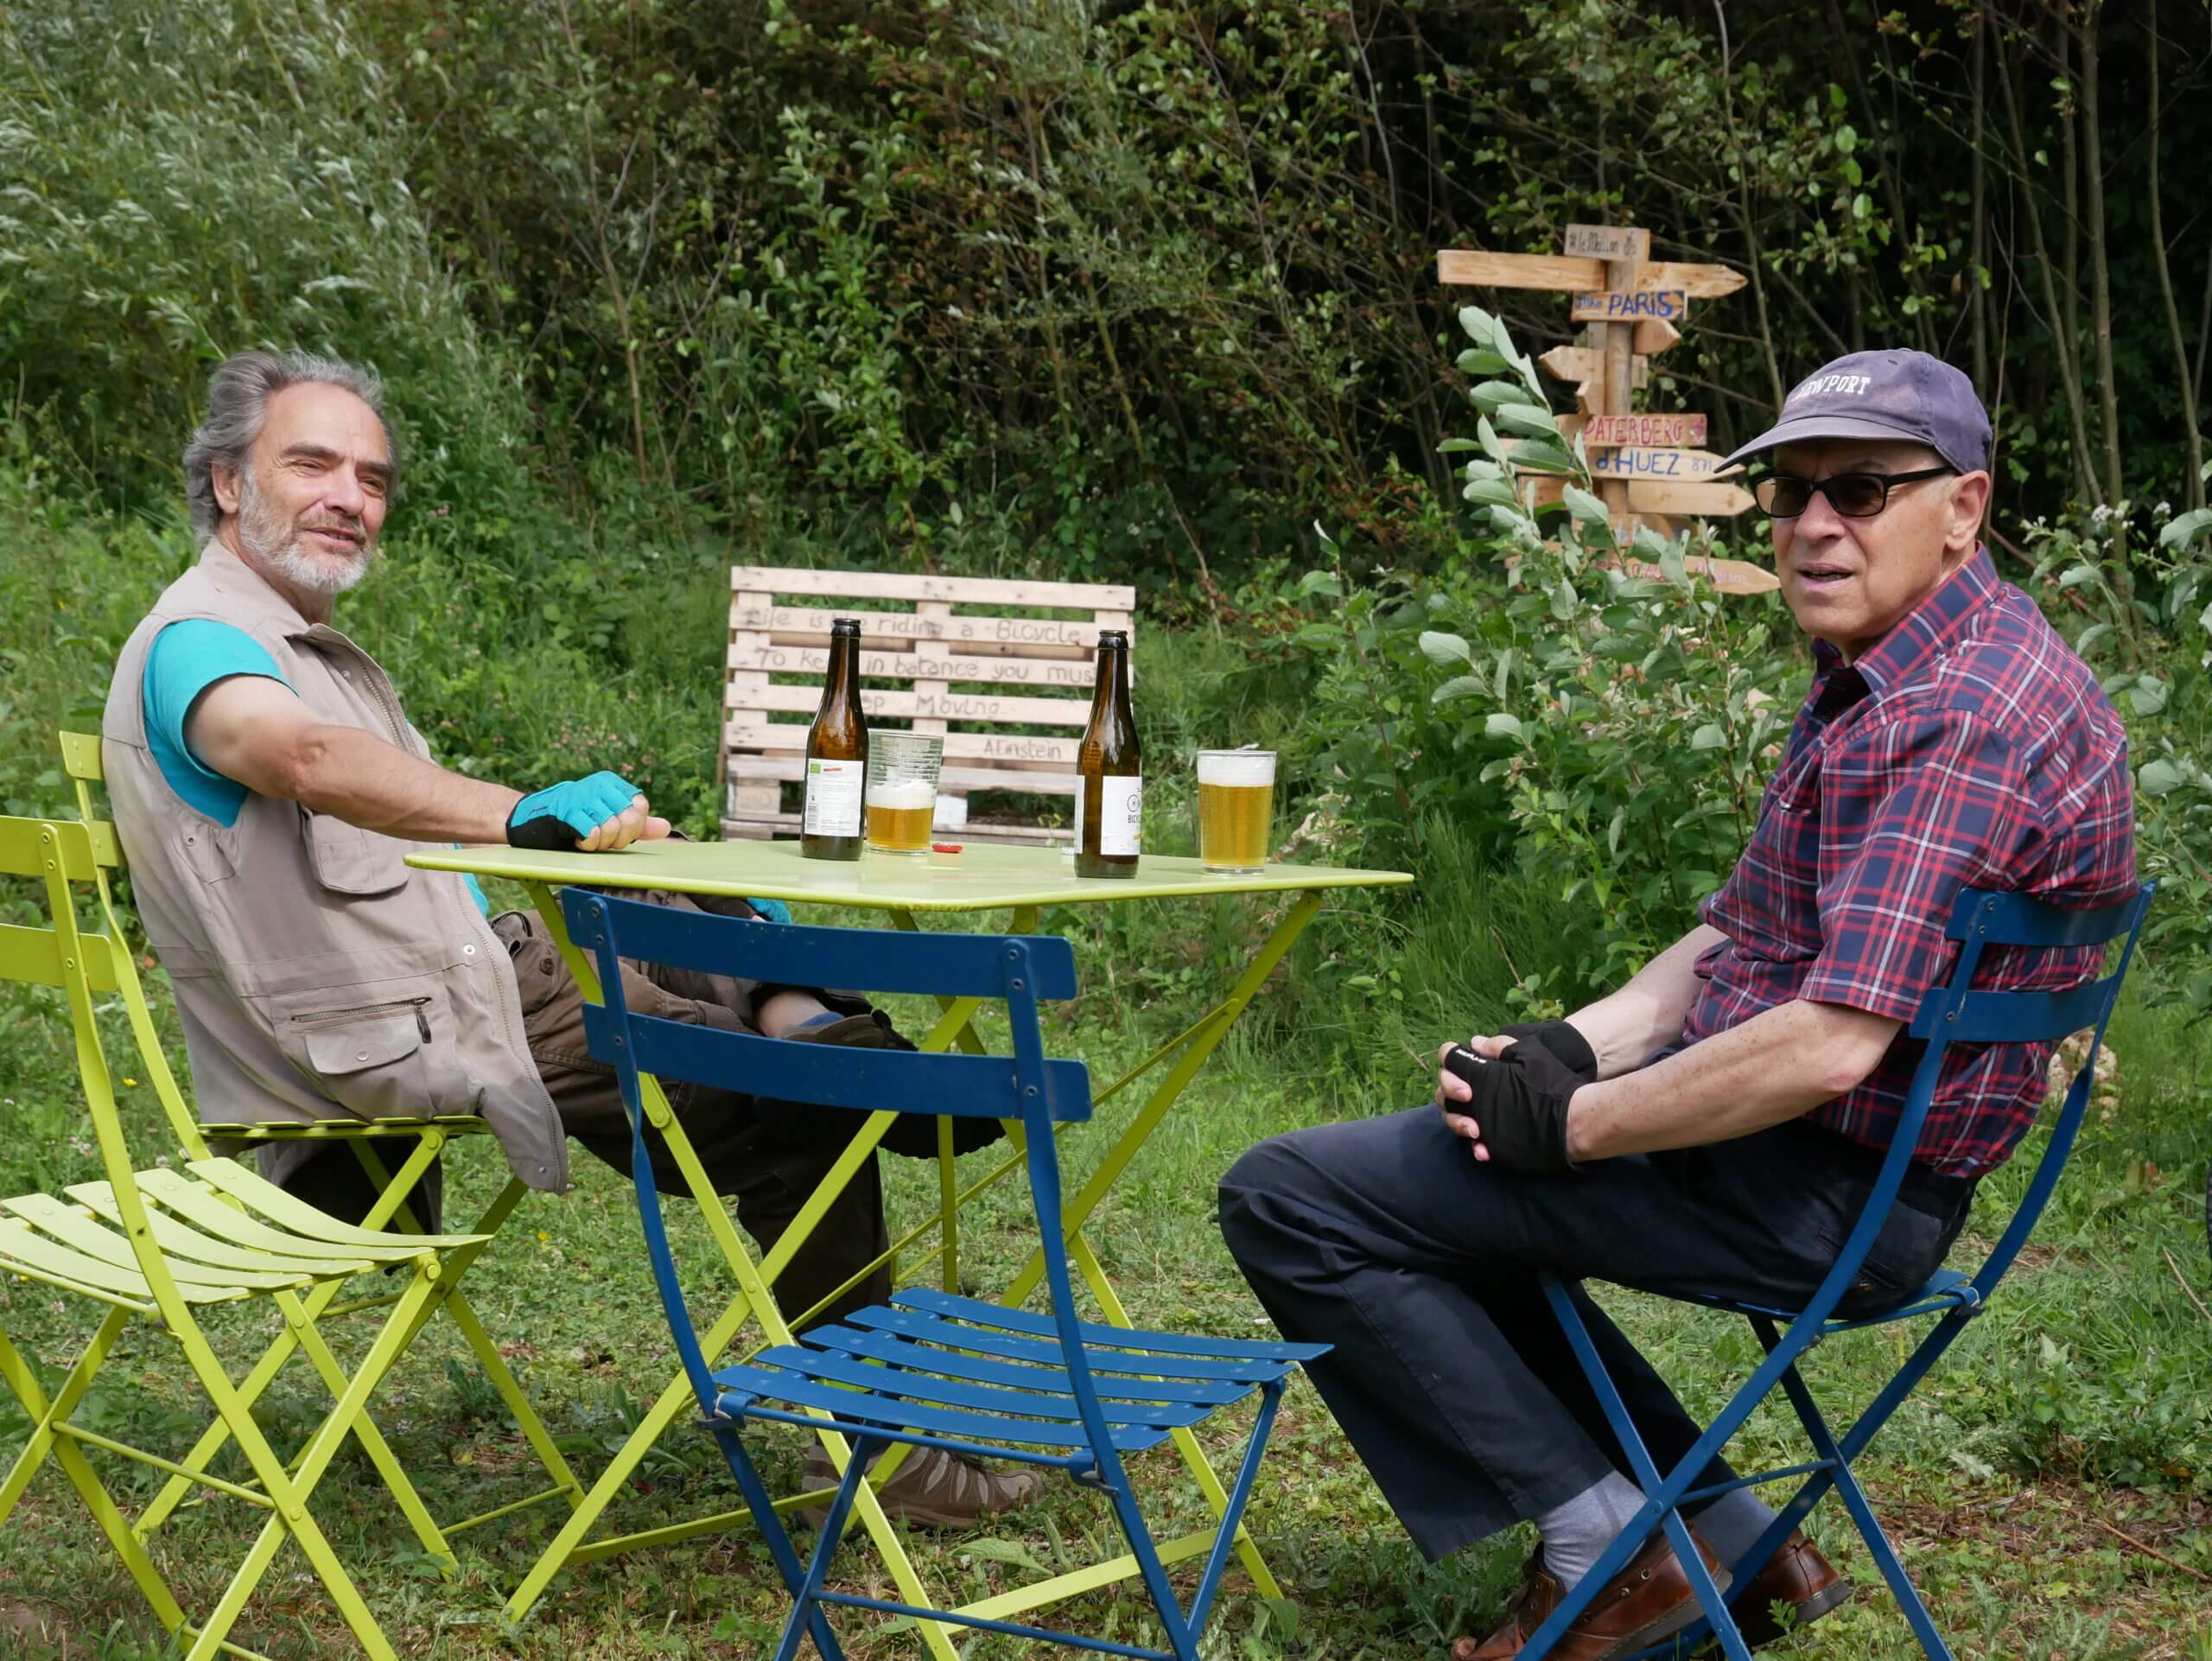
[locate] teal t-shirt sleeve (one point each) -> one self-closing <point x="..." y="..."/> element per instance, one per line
<point x="186" y="659"/>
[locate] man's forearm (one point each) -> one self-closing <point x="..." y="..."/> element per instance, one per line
<point x="1625" y="1027"/>
<point x="360" y="778"/>
<point x="1779" y="1065"/>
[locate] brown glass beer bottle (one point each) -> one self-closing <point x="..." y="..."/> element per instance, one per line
<point x="1110" y="770"/>
<point x="831" y="825"/>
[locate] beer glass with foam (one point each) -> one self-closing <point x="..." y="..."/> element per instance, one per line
<point x="902" y="773"/>
<point x="1236" y="790"/>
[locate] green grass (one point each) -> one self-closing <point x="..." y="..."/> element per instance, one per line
<point x="2074" y="1409"/>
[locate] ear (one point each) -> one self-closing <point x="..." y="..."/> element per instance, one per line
<point x="1969" y="502"/>
<point x="225" y="481"/>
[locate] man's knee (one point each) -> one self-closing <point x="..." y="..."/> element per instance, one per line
<point x="1270" y="1179"/>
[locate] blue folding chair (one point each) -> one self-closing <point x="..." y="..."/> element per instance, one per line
<point x="1951" y="1013"/>
<point x="929" y="1369"/>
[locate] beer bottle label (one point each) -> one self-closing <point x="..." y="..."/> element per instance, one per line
<point x="1121" y="815"/>
<point x="833" y="798"/>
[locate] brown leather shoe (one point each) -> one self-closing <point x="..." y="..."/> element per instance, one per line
<point x="1648" y="1600"/>
<point x="1799" y="1579"/>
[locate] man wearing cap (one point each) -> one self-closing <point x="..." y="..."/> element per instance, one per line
<point x="268" y="788"/>
<point x="1716" y="1123"/>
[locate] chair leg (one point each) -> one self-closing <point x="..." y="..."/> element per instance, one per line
<point x="1862" y="1514"/>
<point x="1231" y="1526"/>
<point x="289" y="1496"/>
<point x="21" y="1380"/>
<point x="1185" y="1440"/>
<point x="1663" y="1500"/>
<point x="778" y="1536"/>
<point x="803" y="1607"/>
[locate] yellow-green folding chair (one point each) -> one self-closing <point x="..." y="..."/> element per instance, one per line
<point x="80" y="759"/>
<point x="157" y="1246"/>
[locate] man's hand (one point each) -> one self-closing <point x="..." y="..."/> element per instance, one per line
<point x="1509" y="1097"/>
<point x="593" y="815"/>
<point x="1564" y="1041"/>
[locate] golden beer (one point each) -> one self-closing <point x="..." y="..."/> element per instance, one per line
<point x="900" y="814"/>
<point x="1236" y="790"/>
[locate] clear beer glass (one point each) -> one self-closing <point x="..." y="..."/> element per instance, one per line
<point x="902" y="774"/>
<point x="1237" y="791"/>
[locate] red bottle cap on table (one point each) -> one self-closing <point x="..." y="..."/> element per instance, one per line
<point x="944" y="848"/>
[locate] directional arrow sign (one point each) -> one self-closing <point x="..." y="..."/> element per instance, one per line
<point x="1608" y="242"/>
<point x="1566" y="274"/>
<point x="1655" y="334"/>
<point x="1670" y="305"/>
<point x="1638" y="462"/>
<point x="1705" y="500"/>
<point x="1708" y="500"/>
<point x="1586" y="363"/>
<point x="1658" y="431"/>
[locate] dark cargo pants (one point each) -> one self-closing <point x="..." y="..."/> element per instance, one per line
<point x="1387" y="1239"/>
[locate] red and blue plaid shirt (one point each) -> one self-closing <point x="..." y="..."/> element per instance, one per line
<point x="1969" y="749"/>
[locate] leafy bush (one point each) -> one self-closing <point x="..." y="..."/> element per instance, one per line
<point x="2144" y="619"/>
<point x="1602" y="726"/>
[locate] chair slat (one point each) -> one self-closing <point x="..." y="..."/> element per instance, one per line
<point x="2022" y="919"/>
<point x="20" y="1243"/>
<point x="963" y="1087"/>
<point x="304" y="1220"/>
<point x="81" y="1233"/>
<point x="2014" y="1017"/>
<point x="176" y="1239"/>
<point x="899" y="1352"/>
<point x="1098" y="1337"/>
<point x="875" y="960"/>
<point x="915" y="1324"/>
<point x="775" y="1384"/>
<point x="953" y="1392"/>
<point x="204" y="1208"/>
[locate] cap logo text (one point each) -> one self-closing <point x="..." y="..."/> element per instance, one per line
<point x="1822" y="385"/>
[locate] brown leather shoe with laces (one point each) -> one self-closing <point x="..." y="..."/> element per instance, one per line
<point x="1797" y="1578"/>
<point x="1646" y="1601"/>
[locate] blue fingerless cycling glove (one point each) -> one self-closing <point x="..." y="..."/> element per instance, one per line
<point x="561" y="816"/>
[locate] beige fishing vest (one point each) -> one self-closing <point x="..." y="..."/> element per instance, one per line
<point x="316" y="974"/>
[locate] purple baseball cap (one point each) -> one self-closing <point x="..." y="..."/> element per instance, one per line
<point x="1893" y="394"/>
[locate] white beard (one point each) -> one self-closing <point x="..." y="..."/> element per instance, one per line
<point x="274" y="543"/>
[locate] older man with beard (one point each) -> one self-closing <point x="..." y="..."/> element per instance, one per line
<point x="267" y="787"/>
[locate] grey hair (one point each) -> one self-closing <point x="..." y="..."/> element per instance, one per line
<point x="238" y="403"/>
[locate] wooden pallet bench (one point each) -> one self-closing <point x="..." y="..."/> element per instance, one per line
<point x="1002" y="668"/>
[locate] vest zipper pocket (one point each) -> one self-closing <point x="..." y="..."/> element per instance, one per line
<point x="321" y="1017"/>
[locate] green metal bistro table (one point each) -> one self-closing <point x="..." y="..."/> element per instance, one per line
<point x="980" y="879"/>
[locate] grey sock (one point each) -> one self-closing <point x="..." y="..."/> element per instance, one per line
<point x="1576" y="1533"/>
<point x="1732" y="1523"/>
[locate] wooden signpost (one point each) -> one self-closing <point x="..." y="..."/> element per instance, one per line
<point x="1648" y="468"/>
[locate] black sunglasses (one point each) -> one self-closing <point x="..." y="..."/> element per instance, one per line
<point x="1854" y="495"/>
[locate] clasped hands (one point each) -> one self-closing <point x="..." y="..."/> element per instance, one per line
<point x="1512" y="1109"/>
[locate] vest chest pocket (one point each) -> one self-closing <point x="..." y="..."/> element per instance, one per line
<point x="348" y="860"/>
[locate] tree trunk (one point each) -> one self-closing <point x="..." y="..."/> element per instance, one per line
<point x="2093" y="179"/>
<point x="2068" y="371"/>
<point x="1977" y="289"/>
<point x="2070" y="291"/>
<point x="2194" y="439"/>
